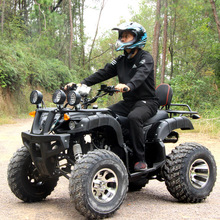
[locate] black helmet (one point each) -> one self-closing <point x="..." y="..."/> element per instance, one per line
<point x="140" y="36"/>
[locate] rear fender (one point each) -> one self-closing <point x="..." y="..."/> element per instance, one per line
<point x="160" y="130"/>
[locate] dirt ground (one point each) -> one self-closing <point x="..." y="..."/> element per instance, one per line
<point x="152" y="202"/>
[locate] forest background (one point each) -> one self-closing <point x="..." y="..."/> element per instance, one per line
<point x="43" y="45"/>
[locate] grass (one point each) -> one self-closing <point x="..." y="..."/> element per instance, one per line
<point x="205" y="126"/>
<point x="6" y="120"/>
<point x="208" y="126"/>
<point x="17" y="105"/>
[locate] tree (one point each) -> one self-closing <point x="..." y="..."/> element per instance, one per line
<point x="172" y="31"/>
<point x="216" y="17"/>
<point x="2" y="17"/>
<point x="81" y="32"/>
<point x="156" y="38"/>
<point x="96" y="32"/>
<point x="71" y="33"/>
<point x="30" y="27"/>
<point x="164" y="44"/>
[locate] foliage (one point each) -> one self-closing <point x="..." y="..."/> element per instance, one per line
<point x="196" y="48"/>
<point x="19" y="66"/>
<point x="13" y="66"/>
<point x="35" y="48"/>
<point x="199" y="93"/>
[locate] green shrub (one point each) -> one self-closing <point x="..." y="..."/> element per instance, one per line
<point x="200" y="93"/>
<point x="19" y="66"/>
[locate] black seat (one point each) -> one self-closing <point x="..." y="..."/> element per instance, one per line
<point x="161" y="114"/>
<point x="164" y="93"/>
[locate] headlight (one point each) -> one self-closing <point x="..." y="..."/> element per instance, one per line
<point x="36" y="97"/>
<point x="59" y="97"/>
<point x="73" y="98"/>
<point x="72" y="125"/>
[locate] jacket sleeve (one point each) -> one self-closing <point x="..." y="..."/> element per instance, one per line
<point x="145" y="67"/>
<point x="101" y="75"/>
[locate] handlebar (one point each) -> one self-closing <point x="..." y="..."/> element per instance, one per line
<point x="104" y="88"/>
<point x="84" y="91"/>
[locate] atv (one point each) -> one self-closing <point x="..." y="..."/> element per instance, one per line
<point x="91" y="147"/>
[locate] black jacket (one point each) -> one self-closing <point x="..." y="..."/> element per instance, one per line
<point x="137" y="73"/>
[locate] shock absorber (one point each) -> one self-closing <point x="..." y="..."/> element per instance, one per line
<point x="77" y="150"/>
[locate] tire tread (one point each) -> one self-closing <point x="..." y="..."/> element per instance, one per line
<point x="173" y="172"/>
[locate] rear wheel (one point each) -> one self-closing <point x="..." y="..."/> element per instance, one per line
<point x="98" y="184"/>
<point x="24" y="179"/>
<point x="190" y="172"/>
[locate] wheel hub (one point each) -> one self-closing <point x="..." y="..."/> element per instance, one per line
<point x="199" y="173"/>
<point x="104" y="185"/>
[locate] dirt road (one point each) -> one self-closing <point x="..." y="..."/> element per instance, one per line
<point x="152" y="202"/>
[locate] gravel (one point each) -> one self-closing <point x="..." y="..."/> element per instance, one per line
<point x="152" y="202"/>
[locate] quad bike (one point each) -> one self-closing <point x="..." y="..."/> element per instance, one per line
<point x="91" y="148"/>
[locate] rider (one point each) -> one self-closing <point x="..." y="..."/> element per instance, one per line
<point x="135" y="71"/>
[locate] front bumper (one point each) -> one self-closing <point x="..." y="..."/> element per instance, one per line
<point x="44" y="150"/>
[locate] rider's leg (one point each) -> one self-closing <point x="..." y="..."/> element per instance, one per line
<point x="141" y="111"/>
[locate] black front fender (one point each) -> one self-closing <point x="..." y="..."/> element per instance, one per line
<point x="161" y="129"/>
<point x="100" y="120"/>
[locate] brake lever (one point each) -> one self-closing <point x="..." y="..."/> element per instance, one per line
<point x="111" y="90"/>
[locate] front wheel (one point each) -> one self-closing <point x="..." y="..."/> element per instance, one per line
<point x="98" y="184"/>
<point x="24" y="179"/>
<point x="190" y="172"/>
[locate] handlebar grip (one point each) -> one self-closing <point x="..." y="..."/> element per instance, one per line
<point x="125" y="89"/>
<point x="73" y="86"/>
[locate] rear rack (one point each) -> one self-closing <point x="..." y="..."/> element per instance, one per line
<point x="193" y="114"/>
